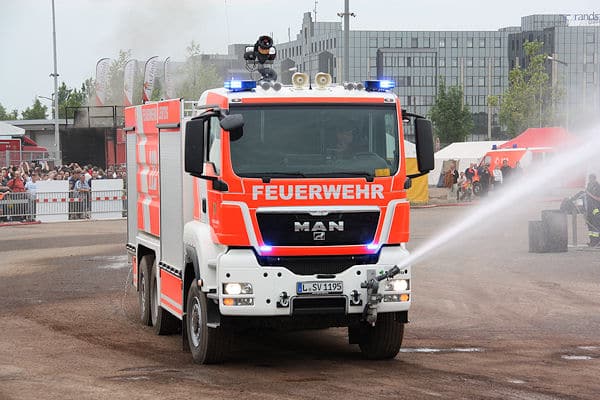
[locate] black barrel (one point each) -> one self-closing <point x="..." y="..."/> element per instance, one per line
<point x="536" y="237"/>
<point x="556" y="235"/>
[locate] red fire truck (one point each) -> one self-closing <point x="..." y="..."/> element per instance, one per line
<point x="273" y="206"/>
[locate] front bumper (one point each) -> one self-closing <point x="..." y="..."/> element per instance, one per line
<point x="269" y="283"/>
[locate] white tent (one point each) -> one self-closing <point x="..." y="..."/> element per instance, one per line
<point x="463" y="152"/>
<point x="10" y="130"/>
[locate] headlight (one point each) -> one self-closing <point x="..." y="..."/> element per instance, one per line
<point x="397" y="285"/>
<point x="235" y="288"/>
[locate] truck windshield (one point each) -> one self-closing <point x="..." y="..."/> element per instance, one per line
<point x="298" y="141"/>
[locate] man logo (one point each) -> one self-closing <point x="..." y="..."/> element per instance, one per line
<point x="318" y="235"/>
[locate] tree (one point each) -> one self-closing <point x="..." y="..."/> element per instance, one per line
<point x="70" y="98"/>
<point x="197" y="76"/>
<point x="452" y="120"/>
<point x="36" y="111"/>
<point x="530" y="99"/>
<point x="114" y="95"/>
<point x="6" y="116"/>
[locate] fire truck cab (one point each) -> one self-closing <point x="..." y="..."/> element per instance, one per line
<point x="273" y="206"/>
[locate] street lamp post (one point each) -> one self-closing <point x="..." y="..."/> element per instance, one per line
<point x="55" y="75"/>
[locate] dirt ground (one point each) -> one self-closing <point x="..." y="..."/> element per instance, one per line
<point x="489" y="321"/>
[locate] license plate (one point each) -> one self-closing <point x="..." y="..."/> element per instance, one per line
<point x="319" y="287"/>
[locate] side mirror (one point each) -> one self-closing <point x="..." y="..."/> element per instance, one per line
<point x="234" y="124"/>
<point x="194" y="147"/>
<point x="424" y="144"/>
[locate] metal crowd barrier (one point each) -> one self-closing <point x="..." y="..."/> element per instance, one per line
<point x="63" y="206"/>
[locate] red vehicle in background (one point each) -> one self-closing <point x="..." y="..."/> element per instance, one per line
<point x="15" y="149"/>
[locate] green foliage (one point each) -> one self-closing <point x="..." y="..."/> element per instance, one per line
<point x="452" y="120"/>
<point x="529" y="100"/>
<point x="70" y="98"/>
<point x="114" y="95"/>
<point x="157" y="90"/>
<point x="7" y="116"/>
<point x="197" y="76"/>
<point x="36" y="111"/>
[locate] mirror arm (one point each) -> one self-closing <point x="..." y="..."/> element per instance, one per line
<point x="413" y="176"/>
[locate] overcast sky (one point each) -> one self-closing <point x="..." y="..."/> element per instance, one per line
<point x="87" y="30"/>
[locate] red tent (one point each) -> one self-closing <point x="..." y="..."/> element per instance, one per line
<point x="540" y="137"/>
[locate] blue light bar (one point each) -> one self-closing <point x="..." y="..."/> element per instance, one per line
<point x="265" y="249"/>
<point x="239" y="86"/>
<point x="373" y="246"/>
<point x="379" y="85"/>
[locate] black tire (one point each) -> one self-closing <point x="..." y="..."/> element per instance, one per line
<point x="164" y="322"/>
<point x="382" y="341"/>
<point x="476" y="188"/>
<point x="144" y="289"/>
<point x="207" y="345"/>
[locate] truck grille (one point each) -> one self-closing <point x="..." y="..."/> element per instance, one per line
<point x="307" y="265"/>
<point x="304" y="229"/>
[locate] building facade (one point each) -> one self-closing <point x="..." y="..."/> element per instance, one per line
<point x="479" y="61"/>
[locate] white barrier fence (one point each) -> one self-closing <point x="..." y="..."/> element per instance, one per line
<point x="54" y="202"/>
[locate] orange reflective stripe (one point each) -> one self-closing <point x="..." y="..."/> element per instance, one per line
<point x="171" y="292"/>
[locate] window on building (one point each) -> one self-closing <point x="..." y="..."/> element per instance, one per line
<point x="416" y="81"/>
<point x="589" y="78"/>
<point x="482" y="62"/>
<point x="442" y="62"/>
<point x="481" y="81"/>
<point x="386" y="42"/>
<point x="373" y="42"/>
<point x="468" y="81"/>
<point x="454" y="80"/>
<point x="482" y="100"/>
<point x="426" y="42"/>
<point x="469" y="42"/>
<point x="496" y="81"/>
<point x="454" y="42"/>
<point x="469" y="62"/>
<point x="402" y="61"/>
<point x="497" y="62"/>
<point x="414" y="42"/>
<point x="416" y="61"/>
<point x="454" y="61"/>
<point x="497" y="42"/>
<point x="589" y="38"/>
<point x="399" y="42"/>
<point x="442" y="42"/>
<point x="481" y="42"/>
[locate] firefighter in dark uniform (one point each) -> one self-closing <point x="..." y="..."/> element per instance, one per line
<point x="592" y="206"/>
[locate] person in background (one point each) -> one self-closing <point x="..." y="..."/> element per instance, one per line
<point x="506" y="170"/>
<point x="31" y="187"/>
<point x="470" y="172"/>
<point x="485" y="178"/>
<point x="498" y="177"/>
<point x="82" y="192"/>
<point x="592" y="210"/>
<point x="462" y="179"/>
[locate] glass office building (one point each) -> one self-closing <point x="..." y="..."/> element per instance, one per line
<point x="479" y="61"/>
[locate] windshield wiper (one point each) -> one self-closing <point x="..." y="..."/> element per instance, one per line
<point x="369" y="177"/>
<point x="267" y="176"/>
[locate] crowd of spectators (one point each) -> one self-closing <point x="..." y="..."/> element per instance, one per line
<point x="18" y="183"/>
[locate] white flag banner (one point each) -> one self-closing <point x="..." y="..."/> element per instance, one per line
<point x="128" y="82"/>
<point x="150" y="70"/>
<point x="169" y="83"/>
<point x="101" y="84"/>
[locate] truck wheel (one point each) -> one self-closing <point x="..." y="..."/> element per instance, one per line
<point x="207" y="344"/>
<point x="144" y="290"/>
<point x="164" y="322"/>
<point x="382" y="341"/>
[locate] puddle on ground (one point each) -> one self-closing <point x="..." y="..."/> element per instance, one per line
<point x="433" y="350"/>
<point x="111" y="262"/>
<point x="575" y="358"/>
